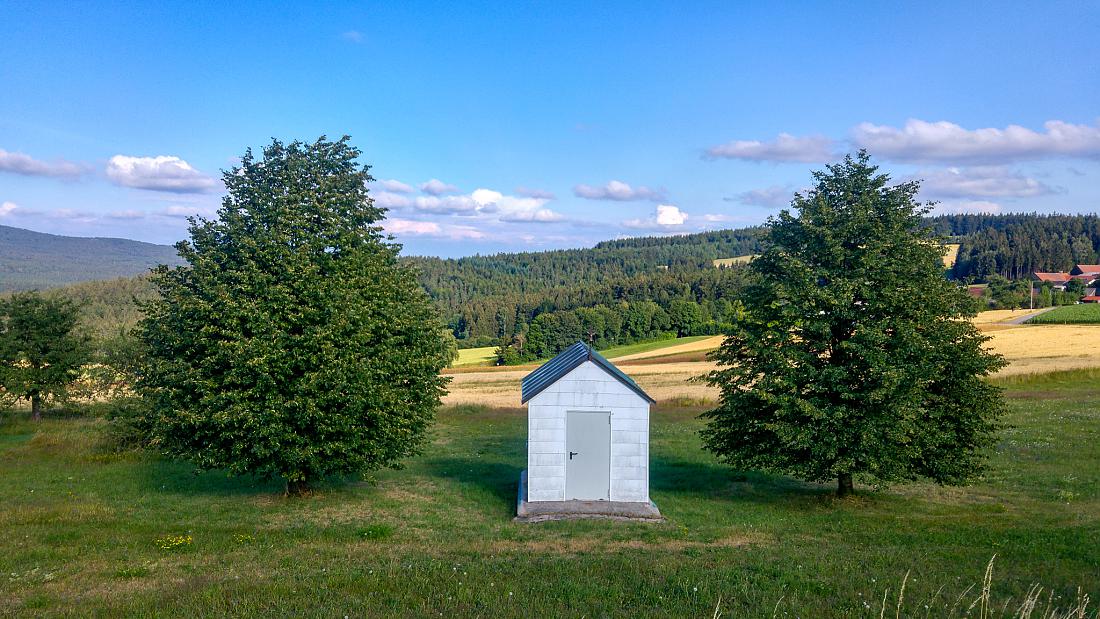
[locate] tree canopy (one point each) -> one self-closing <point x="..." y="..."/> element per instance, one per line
<point x="854" y="356"/>
<point x="292" y="343"/>
<point x="41" y="349"/>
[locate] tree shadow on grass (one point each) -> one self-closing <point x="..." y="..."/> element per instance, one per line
<point x="498" y="480"/>
<point x="673" y="475"/>
<point x="182" y="478"/>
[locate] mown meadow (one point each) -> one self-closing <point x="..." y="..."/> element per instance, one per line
<point x="92" y="530"/>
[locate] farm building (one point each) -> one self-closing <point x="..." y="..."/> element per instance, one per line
<point x="1087" y="273"/>
<point x="588" y="440"/>
<point x="1059" y="280"/>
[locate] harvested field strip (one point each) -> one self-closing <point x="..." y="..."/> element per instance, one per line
<point x="1029" y="350"/>
<point x="994" y="316"/>
<point x="696" y="345"/>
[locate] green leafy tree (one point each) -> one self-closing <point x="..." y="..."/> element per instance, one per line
<point x="1009" y="294"/>
<point x="292" y="343"/>
<point x="686" y="317"/>
<point x="1076" y="288"/>
<point x="855" y="355"/>
<point x="41" y="349"/>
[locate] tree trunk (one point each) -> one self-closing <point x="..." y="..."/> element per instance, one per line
<point x="844" y="484"/>
<point x="36" y="407"/>
<point x="297" y="488"/>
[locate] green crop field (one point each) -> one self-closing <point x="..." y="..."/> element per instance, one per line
<point x="1086" y="313"/>
<point x="91" y="531"/>
<point x="483" y="355"/>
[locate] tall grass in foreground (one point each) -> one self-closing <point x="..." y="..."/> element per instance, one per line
<point x="1037" y="603"/>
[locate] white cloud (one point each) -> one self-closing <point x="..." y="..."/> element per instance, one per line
<point x="25" y="165"/>
<point x="437" y="187"/>
<point x="619" y="191"/>
<point x="513" y="208"/>
<point x="535" y="193"/>
<point x="486" y="204"/>
<point x="769" y="197"/>
<point x="463" y="232"/>
<point x="388" y="199"/>
<point x="8" y="208"/>
<point x="161" y="173"/>
<point x="542" y="215"/>
<point x="717" y="218"/>
<point x="665" y="217"/>
<point x="945" y="141"/>
<point x="966" y="207"/>
<point x="177" y="211"/>
<point x="393" y="185"/>
<point x="785" y="147"/>
<point x="411" y="227"/>
<point x="73" y="215"/>
<point x="127" y="214"/>
<point x="980" y="182"/>
<point x="448" y="205"/>
<point x="352" y="36"/>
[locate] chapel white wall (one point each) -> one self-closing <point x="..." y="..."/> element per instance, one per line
<point x="588" y="387"/>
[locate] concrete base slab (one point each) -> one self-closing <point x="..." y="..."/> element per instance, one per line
<point x="541" y="511"/>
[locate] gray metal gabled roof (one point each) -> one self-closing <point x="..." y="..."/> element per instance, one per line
<point x="567" y="361"/>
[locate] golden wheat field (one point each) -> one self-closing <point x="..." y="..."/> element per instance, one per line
<point x="995" y="316"/>
<point x="1029" y="349"/>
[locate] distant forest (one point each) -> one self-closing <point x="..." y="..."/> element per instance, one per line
<point x="491" y="299"/>
<point x="535" y="302"/>
<point x="34" y="260"/>
<point x="1015" y="246"/>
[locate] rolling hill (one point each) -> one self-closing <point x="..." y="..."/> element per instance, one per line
<point x="30" y="260"/>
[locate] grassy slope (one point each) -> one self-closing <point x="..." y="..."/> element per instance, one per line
<point x="1086" y="313"/>
<point x="436" y="538"/>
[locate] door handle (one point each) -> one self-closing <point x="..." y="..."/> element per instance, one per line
<point x="573" y="453"/>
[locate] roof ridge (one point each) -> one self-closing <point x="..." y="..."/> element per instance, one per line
<point x="568" y="360"/>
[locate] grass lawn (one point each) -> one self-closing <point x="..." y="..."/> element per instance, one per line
<point x="1085" y="313"/>
<point x="86" y="531"/>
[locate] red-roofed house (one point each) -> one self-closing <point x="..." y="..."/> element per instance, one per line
<point x="1088" y="274"/>
<point x="1059" y="280"/>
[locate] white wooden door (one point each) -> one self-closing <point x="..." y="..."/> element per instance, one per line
<point x="588" y="461"/>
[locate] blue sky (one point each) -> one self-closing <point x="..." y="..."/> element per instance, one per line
<point x="532" y="126"/>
